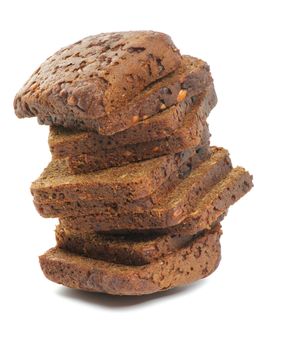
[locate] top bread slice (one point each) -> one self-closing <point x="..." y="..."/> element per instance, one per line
<point x="110" y="82"/>
<point x="99" y="72"/>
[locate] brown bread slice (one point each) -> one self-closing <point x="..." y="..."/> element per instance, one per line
<point x="187" y="115"/>
<point x="193" y="132"/>
<point x="61" y="208"/>
<point x="120" y="249"/>
<point x="166" y="206"/>
<point x="86" y="163"/>
<point x="120" y="184"/>
<point x="124" y="249"/>
<point x="184" y="266"/>
<point x="97" y="74"/>
<point x="80" y="98"/>
<point x="182" y="206"/>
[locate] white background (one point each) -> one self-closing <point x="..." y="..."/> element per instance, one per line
<point x="238" y="307"/>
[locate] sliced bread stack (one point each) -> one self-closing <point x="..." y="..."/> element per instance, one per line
<point x="139" y="192"/>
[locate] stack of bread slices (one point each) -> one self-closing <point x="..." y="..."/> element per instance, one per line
<point x="139" y="192"/>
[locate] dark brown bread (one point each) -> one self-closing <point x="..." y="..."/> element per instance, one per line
<point x="182" y="140"/>
<point x="100" y="73"/>
<point x="124" y="249"/>
<point x="64" y="207"/>
<point x="185" y="115"/>
<point x="64" y="142"/>
<point x="117" y="185"/>
<point x="126" y="183"/>
<point x="81" y="159"/>
<point x="166" y="210"/>
<point x="189" y="80"/>
<point x="185" y="265"/>
<point x="111" y="81"/>
<point x="190" y="206"/>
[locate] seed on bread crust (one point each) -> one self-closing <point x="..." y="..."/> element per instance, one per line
<point x="182" y="95"/>
<point x="135" y="119"/>
<point x="72" y="100"/>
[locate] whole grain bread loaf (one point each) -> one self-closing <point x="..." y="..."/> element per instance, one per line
<point x="183" y="266"/>
<point x="138" y="190"/>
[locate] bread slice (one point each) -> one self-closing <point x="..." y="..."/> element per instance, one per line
<point x="124" y="249"/>
<point x="185" y="117"/>
<point x="111" y="67"/>
<point x="203" y="191"/>
<point x="186" y="265"/>
<point x="109" y="82"/>
<point x="65" y="207"/>
<point x="194" y="131"/>
<point x="119" y="184"/>
<point x="85" y="163"/>
<point x="187" y="189"/>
